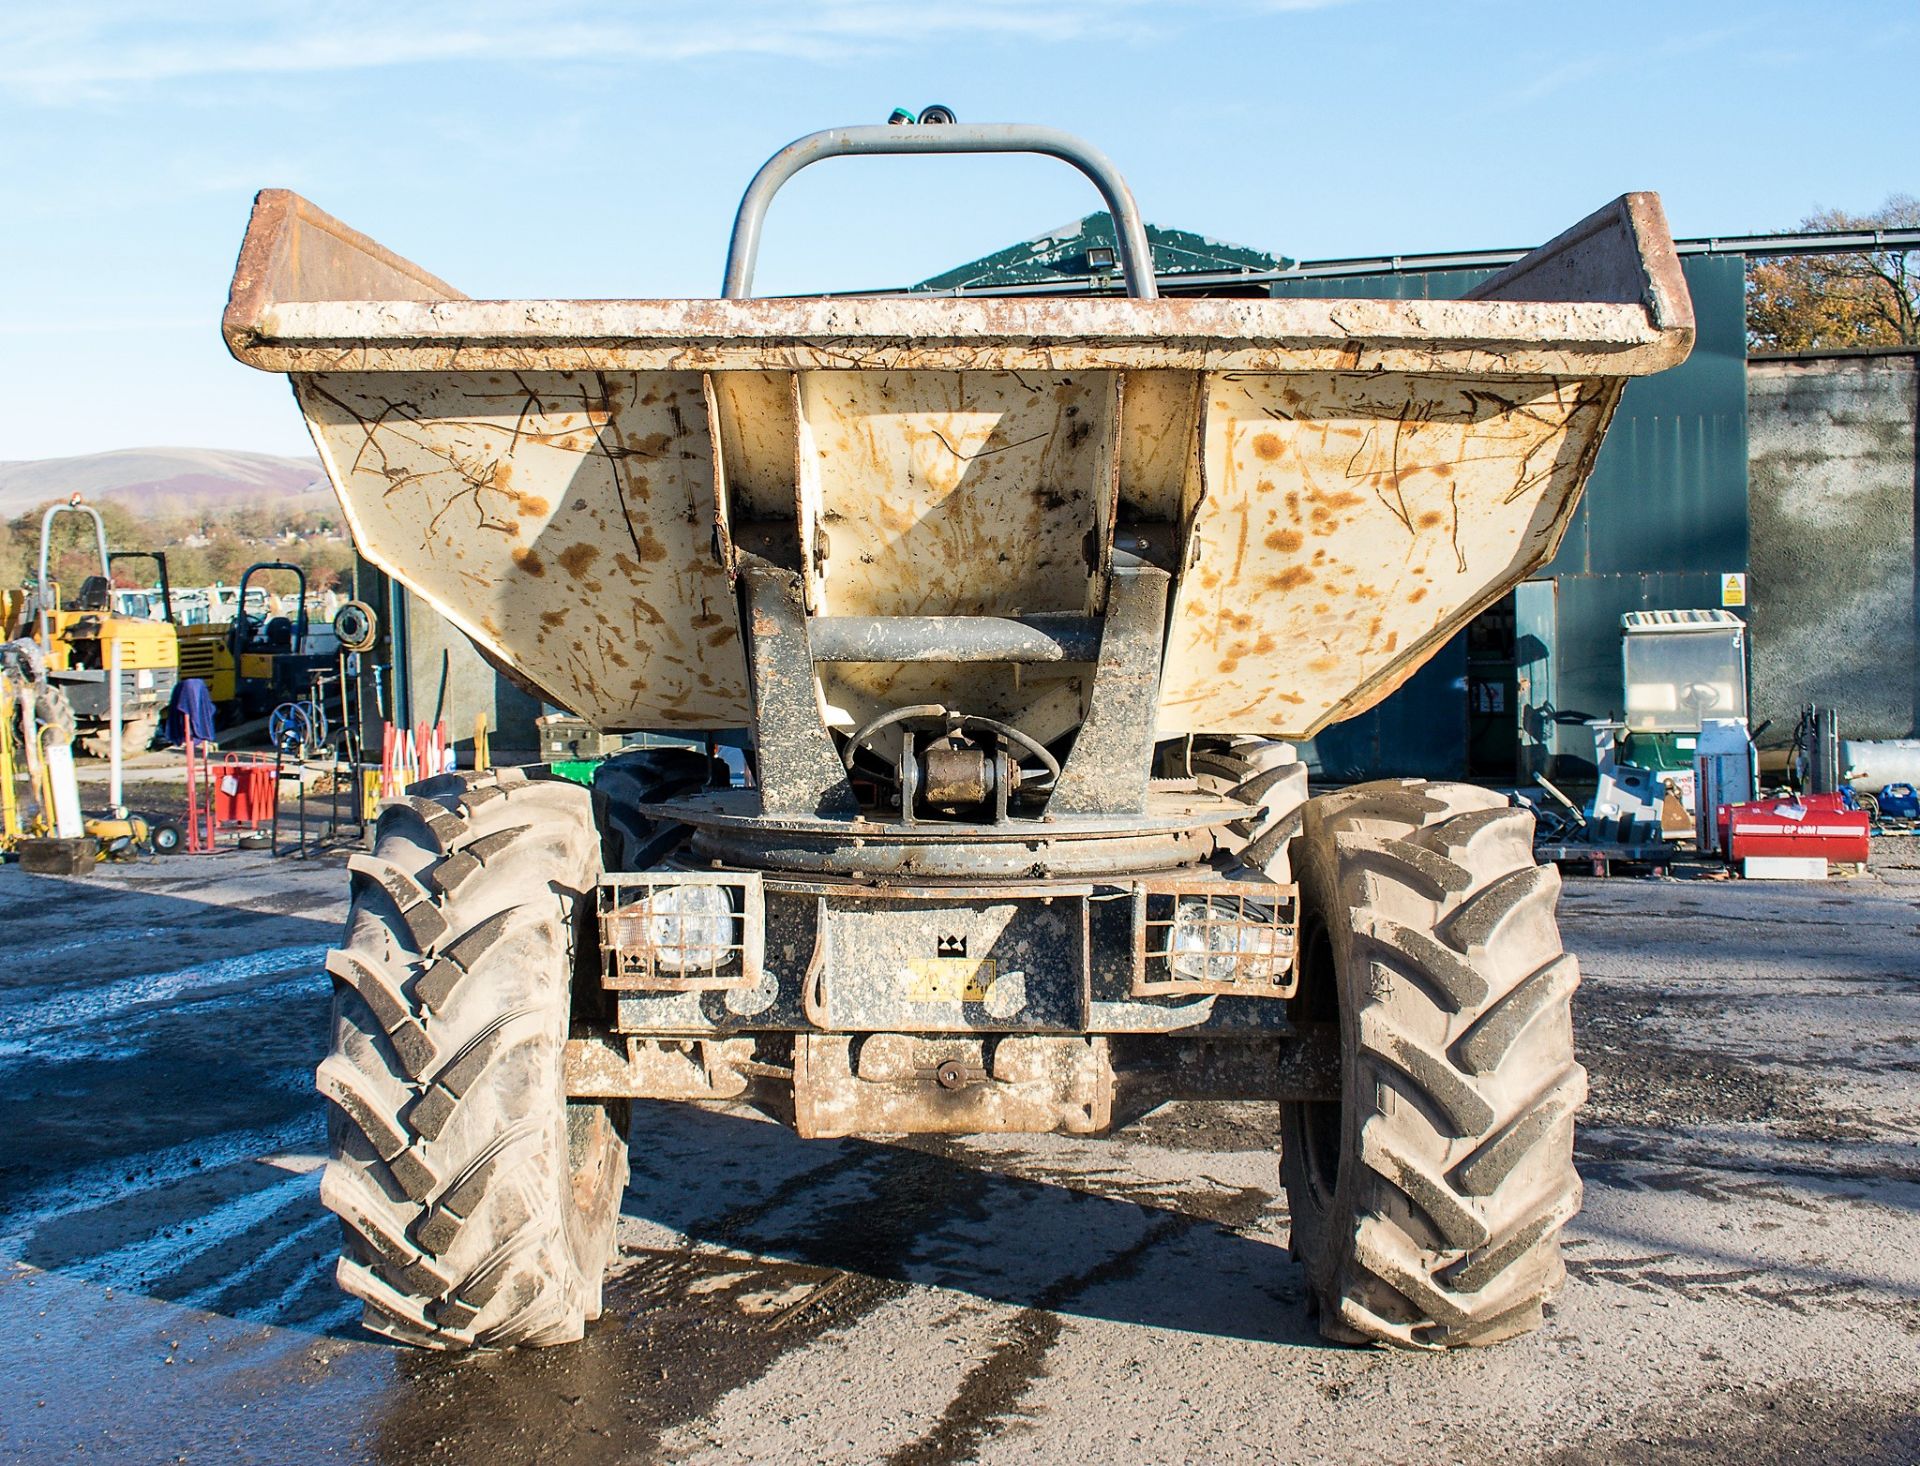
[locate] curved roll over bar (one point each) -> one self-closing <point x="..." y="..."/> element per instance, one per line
<point x="1136" y="257"/>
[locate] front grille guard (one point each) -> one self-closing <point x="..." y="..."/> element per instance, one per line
<point x="1190" y="937"/>
<point x="1225" y="938"/>
<point x="644" y="948"/>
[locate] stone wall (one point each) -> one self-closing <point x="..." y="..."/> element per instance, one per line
<point x="1832" y="493"/>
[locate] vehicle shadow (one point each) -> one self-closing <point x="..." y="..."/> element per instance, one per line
<point x="159" y="1028"/>
<point x="158" y="1036"/>
<point x="1062" y="1225"/>
<point x="743" y="1243"/>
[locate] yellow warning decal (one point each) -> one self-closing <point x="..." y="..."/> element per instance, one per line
<point x="949" y="979"/>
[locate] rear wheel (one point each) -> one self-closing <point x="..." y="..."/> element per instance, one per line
<point x="1268" y="777"/>
<point x="1427" y="1202"/>
<point x="621" y="784"/>
<point x="477" y="1205"/>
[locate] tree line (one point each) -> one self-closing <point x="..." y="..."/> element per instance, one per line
<point x="1804" y="303"/>
<point x="203" y="546"/>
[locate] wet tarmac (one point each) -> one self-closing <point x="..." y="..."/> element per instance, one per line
<point x="1745" y="1278"/>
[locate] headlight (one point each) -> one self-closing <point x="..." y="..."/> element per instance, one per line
<point x="688" y="928"/>
<point x="1217" y="942"/>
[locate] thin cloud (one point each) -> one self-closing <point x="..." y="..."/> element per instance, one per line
<point x="1625" y="62"/>
<point x="54" y="57"/>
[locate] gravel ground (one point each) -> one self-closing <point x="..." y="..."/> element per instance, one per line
<point x="1745" y="1277"/>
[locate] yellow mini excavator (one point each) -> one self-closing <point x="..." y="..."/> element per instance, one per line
<point x="77" y="637"/>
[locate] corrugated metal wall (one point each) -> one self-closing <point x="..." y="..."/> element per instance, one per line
<point x="1665" y="515"/>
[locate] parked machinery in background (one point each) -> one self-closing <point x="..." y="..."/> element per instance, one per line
<point x="1898" y="801"/>
<point x="261" y="657"/>
<point x="127" y="836"/>
<point x="1680" y="669"/>
<point x="1882" y="773"/>
<point x="1874" y="774"/>
<point x="1726" y="771"/>
<point x="154" y="603"/>
<point x="1816" y="767"/>
<point x="82" y="639"/>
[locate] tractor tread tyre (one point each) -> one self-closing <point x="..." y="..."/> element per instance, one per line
<point x="477" y="1206"/>
<point x="1266" y="776"/>
<point x="1427" y="1204"/>
<point x="53" y="713"/>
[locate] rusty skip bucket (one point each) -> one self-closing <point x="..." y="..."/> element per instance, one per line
<point x="1336" y="486"/>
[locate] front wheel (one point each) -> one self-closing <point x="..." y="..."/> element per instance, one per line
<point x="477" y="1205"/>
<point x="1427" y="1202"/>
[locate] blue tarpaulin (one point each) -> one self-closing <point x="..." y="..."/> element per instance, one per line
<point x="190" y="712"/>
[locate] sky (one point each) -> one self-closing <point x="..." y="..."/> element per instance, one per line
<point x="587" y="148"/>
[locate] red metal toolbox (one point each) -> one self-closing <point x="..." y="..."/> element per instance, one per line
<point x="1813" y="824"/>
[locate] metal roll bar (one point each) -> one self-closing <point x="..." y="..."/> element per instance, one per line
<point x="42" y="605"/>
<point x="1136" y="257"/>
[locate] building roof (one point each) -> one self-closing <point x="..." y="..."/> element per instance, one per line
<point x="1072" y="253"/>
<point x="1191" y="264"/>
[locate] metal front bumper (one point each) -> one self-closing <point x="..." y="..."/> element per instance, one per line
<point x="1039" y="957"/>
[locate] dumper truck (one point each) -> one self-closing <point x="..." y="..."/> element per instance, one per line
<point x="1018" y="607"/>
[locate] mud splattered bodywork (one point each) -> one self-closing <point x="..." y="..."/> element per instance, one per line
<point x="563" y="520"/>
<point x="1334" y="485"/>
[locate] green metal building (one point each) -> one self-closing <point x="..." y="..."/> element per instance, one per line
<point x="1085" y="254"/>
<point x="1663" y="521"/>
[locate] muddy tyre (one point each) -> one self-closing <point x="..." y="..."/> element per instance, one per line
<point x="1269" y="778"/>
<point x="1427" y="1203"/>
<point x="477" y="1206"/>
<point x="54" y="721"/>
<point x="621" y="784"/>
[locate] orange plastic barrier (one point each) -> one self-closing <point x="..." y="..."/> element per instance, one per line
<point x="227" y="794"/>
<point x="244" y="792"/>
